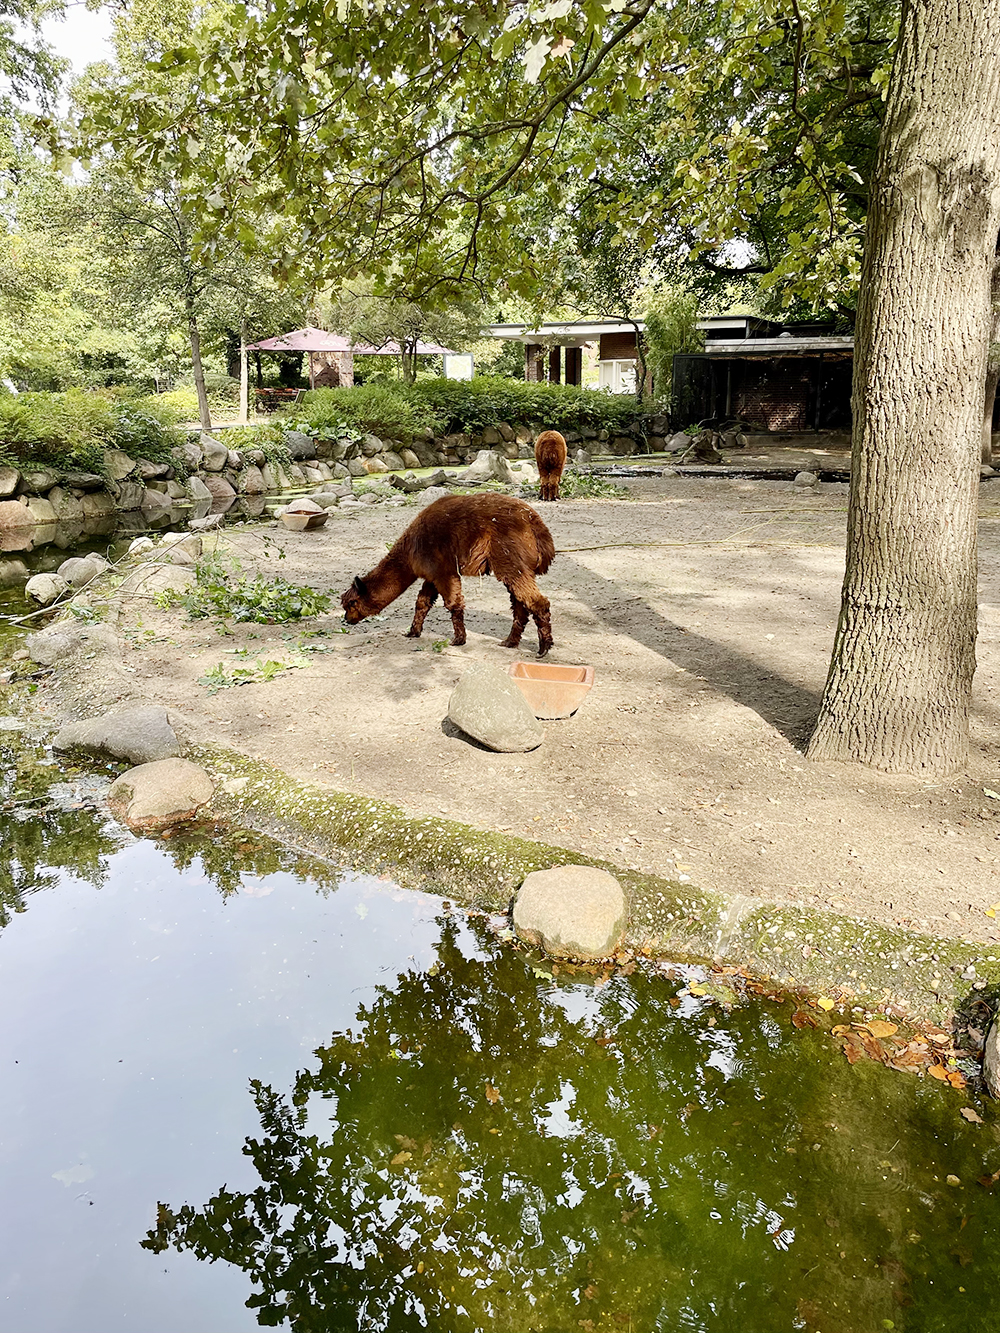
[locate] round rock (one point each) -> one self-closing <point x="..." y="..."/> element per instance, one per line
<point x="156" y="796"/>
<point x="137" y="734"/>
<point x="571" y="911"/>
<point x="806" y="479"/>
<point x="46" y="588"/>
<point x="488" y="706"/>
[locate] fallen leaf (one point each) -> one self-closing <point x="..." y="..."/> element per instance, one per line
<point x="802" y="1019"/>
<point x="841" y="1029"/>
<point x="956" y="1078"/>
<point x="697" y="990"/>
<point x="825" y="1004"/>
<point x="938" y="1072"/>
<point x="988" y="1182"/>
<point x="401" y="1157"/>
<point x="880" y="1029"/>
<point x="491" y="1094"/>
<point x="971" y="1115"/>
<point x="853" y="1050"/>
<point x="995" y="795"/>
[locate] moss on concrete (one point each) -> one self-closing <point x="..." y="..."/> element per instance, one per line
<point x="852" y="960"/>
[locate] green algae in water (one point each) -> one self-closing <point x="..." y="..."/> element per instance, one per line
<point x="489" y="1148"/>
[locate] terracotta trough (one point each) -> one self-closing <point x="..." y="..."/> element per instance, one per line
<point x="552" y="691"/>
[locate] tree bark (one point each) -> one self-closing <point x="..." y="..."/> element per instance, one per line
<point x="898" y="692"/>
<point x="244" y="416"/>
<point x="194" y="337"/>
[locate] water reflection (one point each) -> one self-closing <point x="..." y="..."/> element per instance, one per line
<point x="478" y="1145"/>
<point x="488" y="1149"/>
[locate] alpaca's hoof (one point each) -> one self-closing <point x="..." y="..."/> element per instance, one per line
<point x="543" y="648"/>
<point x="458" y="642"/>
<point x="412" y="634"/>
<point x="510" y="642"/>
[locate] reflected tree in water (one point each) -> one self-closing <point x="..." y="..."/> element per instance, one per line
<point x="36" y="846"/>
<point x="227" y="857"/>
<point x="492" y="1150"/>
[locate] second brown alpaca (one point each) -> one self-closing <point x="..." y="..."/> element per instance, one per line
<point x="456" y="535"/>
<point x="550" y="459"/>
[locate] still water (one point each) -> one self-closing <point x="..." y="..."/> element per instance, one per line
<point x="242" y="1090"/>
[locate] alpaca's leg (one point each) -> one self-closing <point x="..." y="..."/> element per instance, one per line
<point x="425" y="600"/>
<point x="528" y="592"/>
<point x="521" y="613"/>
<point x="451" y="595"/>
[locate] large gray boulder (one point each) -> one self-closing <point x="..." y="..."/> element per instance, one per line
<point x="66" y="506"/>
<point x="140" y="735"/>
<point x="158" y="795"/>
<point x="51" y="646"/>
<point x="299" y="444"/>
<point x="488" y="706"/>
<point x="220" y="490"/>
<point x="433" y="493"/>
<point x="80" y="569"/>
<point x="197" y="489"/>
<point x="371" y="445"/>
<point x="40" y="509"/>
<point x="571" y="911"/>
<point x="46" y="588"/>
<point x="489" y="465"/>
<point x="10" y="479"/>
<point x="117" y="464"/>
<point x="13" y="514"/>
<point x="97" y="505"/>
<point x="252" y="482"/>
<point x="40" y="480"/>
<point x="214" y="454"/>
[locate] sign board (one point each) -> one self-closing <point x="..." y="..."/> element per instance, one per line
<point x="458" y="367"/>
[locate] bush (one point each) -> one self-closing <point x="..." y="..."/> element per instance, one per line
<point x="392" y="411"/>
<point x="396" y="411"/>
<point x="469" y="405"/>
<point x="71" y="430"/>
<point x="182" y="402"/>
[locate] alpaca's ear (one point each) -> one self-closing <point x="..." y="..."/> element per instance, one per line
<point x="360" y="587"/>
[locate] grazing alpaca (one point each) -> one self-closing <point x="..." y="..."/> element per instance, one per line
<point x="550" y="457"/>
<point x="463" y="534"/>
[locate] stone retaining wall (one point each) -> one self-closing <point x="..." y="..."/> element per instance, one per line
<point x="209" y="477"/>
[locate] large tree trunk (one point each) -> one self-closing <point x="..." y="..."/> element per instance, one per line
<point x="897" y="696"/>
<point x="199" y="374"/>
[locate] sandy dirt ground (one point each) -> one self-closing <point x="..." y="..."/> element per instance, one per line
<point x="707" y="609"/>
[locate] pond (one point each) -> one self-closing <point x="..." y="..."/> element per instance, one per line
<point x="242" y="1088"/>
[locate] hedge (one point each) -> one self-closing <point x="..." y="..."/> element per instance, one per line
<point x="396" y="411"/>
<point x="71" y="430"/>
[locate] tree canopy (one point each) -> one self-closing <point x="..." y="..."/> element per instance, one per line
<point x="426" y="145"/>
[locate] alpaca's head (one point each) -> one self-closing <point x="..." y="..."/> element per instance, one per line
<point x="357" y="602"/>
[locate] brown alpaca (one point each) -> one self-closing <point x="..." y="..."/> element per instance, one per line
<point x="456" y="535"/>
<point x="550" y="457"/>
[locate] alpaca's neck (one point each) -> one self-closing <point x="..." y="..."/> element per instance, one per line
<point x="390" y="577"/>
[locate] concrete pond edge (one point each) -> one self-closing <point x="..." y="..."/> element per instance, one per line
<point x="848" y="959"/>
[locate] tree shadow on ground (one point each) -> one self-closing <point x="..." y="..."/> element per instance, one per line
<point x="785" y="705"/>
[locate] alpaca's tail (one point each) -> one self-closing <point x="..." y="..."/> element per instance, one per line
<point x="544" y="544"/>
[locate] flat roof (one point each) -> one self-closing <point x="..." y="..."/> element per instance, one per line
<point x="567" y="332"/>
<point x="787" y="346"/>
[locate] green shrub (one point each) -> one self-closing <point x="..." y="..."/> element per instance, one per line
<point x="393" y="411"/>
<point x="71" y="430"/>
<point x="470" y="405"/>
<point x="269" y="439"/>
<point x="396" y="411"/>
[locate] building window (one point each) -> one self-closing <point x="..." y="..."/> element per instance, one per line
<point x="618" y="376"/>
